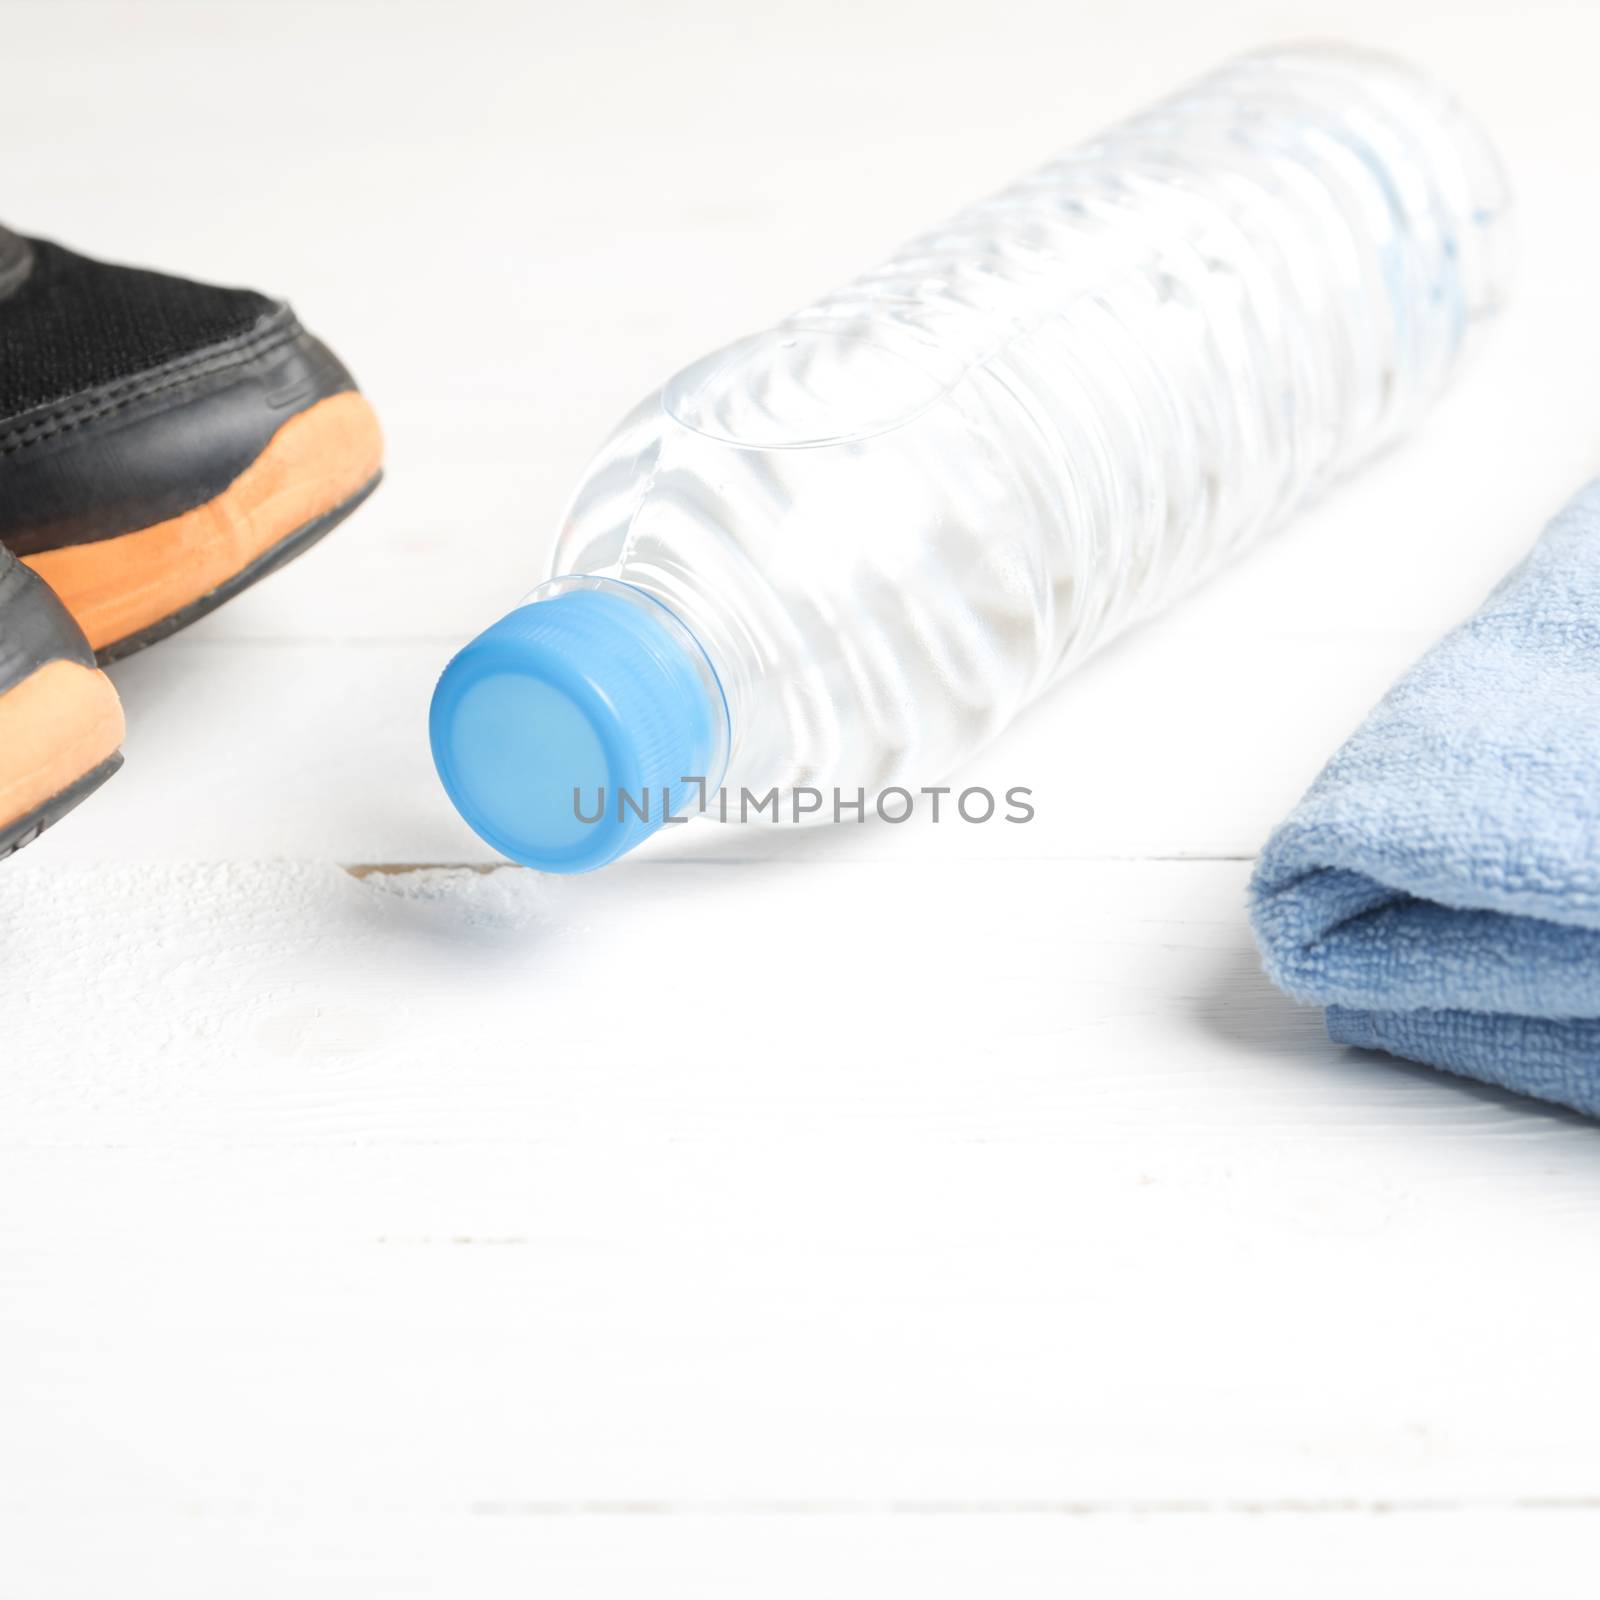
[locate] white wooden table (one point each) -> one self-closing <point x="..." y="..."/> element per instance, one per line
<point x="887" y="1211"/>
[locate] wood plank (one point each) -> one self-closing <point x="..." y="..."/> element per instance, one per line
<point x="1001" y="1182"/>
<point x="382" y="1550"/>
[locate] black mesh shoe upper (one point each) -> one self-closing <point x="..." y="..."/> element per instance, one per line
<point x="70" y="324"/>
<point x="130" y="400"/>
<point x="128" y="397"/>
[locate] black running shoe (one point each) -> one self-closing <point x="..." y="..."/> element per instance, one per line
<point x="163" y="443"/>
<point x="60" y="721"/>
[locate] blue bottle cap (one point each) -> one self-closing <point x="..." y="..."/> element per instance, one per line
<point x="569" y="731"/>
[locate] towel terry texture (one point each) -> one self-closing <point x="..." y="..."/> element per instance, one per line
<point x="1438" y="888"/>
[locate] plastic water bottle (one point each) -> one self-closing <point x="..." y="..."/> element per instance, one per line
<point x="835" y="558"/>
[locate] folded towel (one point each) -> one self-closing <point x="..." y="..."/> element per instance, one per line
<point x="1438" y="888"/>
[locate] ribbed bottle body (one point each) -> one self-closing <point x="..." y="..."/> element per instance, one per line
<point x="900" y="514"/>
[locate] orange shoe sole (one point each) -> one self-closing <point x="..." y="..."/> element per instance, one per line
<point x="60" y="737"/>
<point x="128" y="591"/>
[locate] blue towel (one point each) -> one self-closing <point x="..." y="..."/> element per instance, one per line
<point x="1438" y="888"/>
